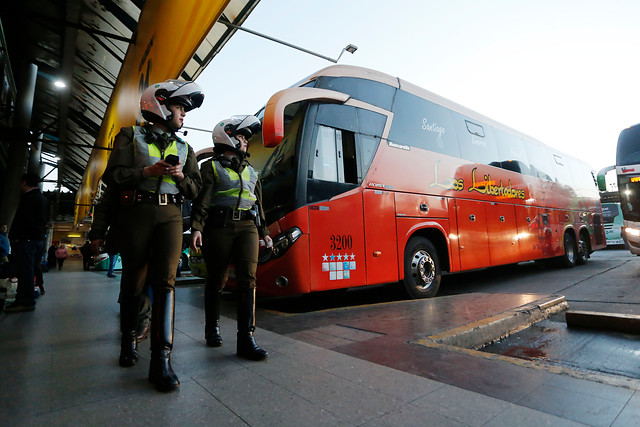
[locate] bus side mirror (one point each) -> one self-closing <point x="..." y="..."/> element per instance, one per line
<point x="602" y="183"/>
<point x="273" y="119"/>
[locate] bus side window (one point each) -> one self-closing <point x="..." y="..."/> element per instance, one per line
<point x="325" y="165"/>
<point x="475" y="140"/>
<point x="346" y="141"/>
<point x="540" y="160"/>
<point x="561" y="170"/>
<point x="513" y="156"/>
<point x="335" y="156"/>
<point x="349" y="161"/>
<point x="423" y="124"/>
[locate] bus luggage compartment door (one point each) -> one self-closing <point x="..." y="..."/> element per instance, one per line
<point x="336" y="242"/>
<point x="472" y="234"/>
<point x="503" y="234"/>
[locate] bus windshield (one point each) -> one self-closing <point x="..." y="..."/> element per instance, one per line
<point x="279" y="174"/>
<point x="629" y="190"/>
<point x="628" y="152"/>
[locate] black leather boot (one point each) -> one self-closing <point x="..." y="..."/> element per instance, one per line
<point x="160" y="372"/>
<point x="212" y="316"/>
<point x="128" y="323"/>
<point x="247" y="347"/>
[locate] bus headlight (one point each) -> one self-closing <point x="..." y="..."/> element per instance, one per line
<point x="632" y="232"/>
<point x="281" y="243"/>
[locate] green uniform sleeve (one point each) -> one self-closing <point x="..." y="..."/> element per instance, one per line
<point x="202" y="201"/>
<point x="262" y="229"/>
<point x="192" y="183"/>
<point x="120" y="171"/>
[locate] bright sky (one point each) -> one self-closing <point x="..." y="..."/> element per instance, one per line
<point x="565" y="72"/>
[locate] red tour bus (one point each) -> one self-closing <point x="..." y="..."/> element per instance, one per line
<point x="369" y="179"/>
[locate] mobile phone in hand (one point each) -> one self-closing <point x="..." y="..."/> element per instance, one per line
<point x="172" y="159"/>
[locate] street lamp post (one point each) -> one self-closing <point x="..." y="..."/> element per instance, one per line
<point x="349" y="48"/>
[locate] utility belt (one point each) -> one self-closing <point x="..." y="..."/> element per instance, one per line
<point x="129" y="197"/>
<point x="219" y="216"/>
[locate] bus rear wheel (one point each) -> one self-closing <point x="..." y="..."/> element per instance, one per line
<point x="583" y="250"/>
<point x="568" y="260"/>
<point x="421" y="269"/>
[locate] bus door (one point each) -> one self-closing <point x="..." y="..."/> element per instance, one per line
<point x="473" y="240"/>
<point x="336" y="224"/>
<point x="503" y="233"/>
<point x="344" y="141"/>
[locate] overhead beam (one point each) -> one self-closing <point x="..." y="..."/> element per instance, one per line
<point x="90" y="31"/>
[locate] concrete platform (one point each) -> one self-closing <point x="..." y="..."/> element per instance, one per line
<point x="619" y="322"/>
<point x="59" y="366"/>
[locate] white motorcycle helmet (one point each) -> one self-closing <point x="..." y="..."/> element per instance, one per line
<point x="157" y="97"/>
<point x="224" y="132"/>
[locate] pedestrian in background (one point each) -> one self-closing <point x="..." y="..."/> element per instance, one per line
<point x="228" y="222"/>
<point x="27" y="237"/>
<point x="113" y="260"/>
<point x="51" y="256"/>
<point x="5" y="247"/>
<point x="85" y="251"/>
<point x="152" y="170"/>
<point x="61" y="255"/>
<point x="37" y="271"/>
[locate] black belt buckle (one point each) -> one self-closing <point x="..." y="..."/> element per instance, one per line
<point x="162" y="199"/>
<point x="236" y="214"/>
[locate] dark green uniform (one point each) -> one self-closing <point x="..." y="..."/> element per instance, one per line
<point x="104" y="228"/>
<point x="149" y="223"/>
<point x="150" y="228"/>
<point x="228" y="212"/>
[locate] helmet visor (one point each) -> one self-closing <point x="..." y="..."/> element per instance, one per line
<point x="189" y="102"/>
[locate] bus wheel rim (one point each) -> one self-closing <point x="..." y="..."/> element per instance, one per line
<point x="570" y="253"/>
<point x="423" y="269"/>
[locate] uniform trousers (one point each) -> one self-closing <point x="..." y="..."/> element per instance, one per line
<point x="237" y="243"/>
<point x="150" y="245"/>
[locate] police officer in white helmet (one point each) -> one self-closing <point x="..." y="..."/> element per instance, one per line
<point x="152" y="170"/>
<point x="228" y="222"/>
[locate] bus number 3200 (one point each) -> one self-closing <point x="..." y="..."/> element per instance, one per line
<point x="340" y="242"/>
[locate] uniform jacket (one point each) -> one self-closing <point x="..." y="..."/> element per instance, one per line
<point x="204" y="199"/>
<point x="124" y="173"/>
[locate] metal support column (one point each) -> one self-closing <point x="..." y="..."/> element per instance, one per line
<point x="17" y="156"/>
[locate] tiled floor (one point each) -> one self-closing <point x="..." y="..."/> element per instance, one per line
<point x="59" y="366"/>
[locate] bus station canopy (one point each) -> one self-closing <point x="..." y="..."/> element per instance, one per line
<point x="91" y="46"/>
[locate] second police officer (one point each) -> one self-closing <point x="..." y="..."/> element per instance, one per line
<point x="152" y="170"/>
<point x="228" y="222"/>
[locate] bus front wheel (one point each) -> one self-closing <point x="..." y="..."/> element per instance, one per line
<point x="421" y="269"/>
<point x="568" y="260"/>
